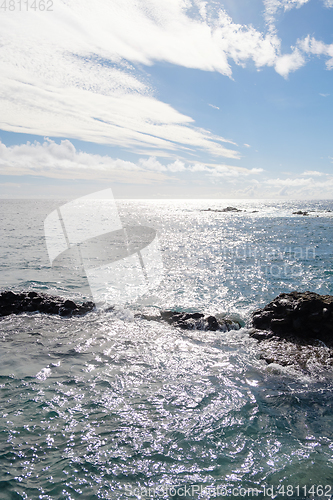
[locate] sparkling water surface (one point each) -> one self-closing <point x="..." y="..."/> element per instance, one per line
<point x="104" y="405"/>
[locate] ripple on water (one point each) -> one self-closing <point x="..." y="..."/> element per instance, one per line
<point x="113" y="403"/>
<point x="91" y="404"/>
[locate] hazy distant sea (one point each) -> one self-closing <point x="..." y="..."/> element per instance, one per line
<point x="108" y="405"/>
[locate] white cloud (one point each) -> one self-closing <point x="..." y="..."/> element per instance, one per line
<point x="128" y="120"/>
<point x="212" y="106"/>
<point x="66" y="74"/>
<point x="299" y="185"/>
<point x="289" y="4"/>
<point x="273" y="6"/>
<point x="312" y="46"/>
<point x="82" y="36"/>
<point x="328" y="3"/>
<point x="63" y="161"/>
<point x="75" y="72"/>
<point x="176" y="166"/>
<point x="70" y="72"/>
<point x="313" y="173"/>
<point x="289" y="62"/>
<point x="294" y="188"/>
<point x="242" y="43"/>
<point x="224" y="170"/>
<point x="288" y="182"/>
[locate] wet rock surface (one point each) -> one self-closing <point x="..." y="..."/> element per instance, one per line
<point x="296" y="329"/>
<point x="195" y="321"/>
<point x="305" y="356"/>
<point x="301" y="316"/>
<point x="17" y="303"/>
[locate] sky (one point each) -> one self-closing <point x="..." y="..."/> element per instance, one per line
<point x="212" y="99"/>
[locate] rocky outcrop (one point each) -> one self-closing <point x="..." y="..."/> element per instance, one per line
<point x="296" y="329"/>
<point x="227" y="209"/>
<point x="16" y="303"/>
<point x="300" y="212"/>
<point x="304" y="316"/>
<point x="195" y="321"/>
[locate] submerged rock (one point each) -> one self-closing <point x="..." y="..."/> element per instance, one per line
<point x="309" y="356"/>
<point x="17" y="303"/>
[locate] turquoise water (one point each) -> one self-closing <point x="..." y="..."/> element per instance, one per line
<point x="110" y="405"/>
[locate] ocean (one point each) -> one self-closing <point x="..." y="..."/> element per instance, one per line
<point x="111" y="405"/>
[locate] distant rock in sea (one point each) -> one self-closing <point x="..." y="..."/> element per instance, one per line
<point x="300" y="212"/>
<point x="227" y="209"/>
<point x="16" y="303"/>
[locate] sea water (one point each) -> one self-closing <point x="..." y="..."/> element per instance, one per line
<point x="112" y="406"/>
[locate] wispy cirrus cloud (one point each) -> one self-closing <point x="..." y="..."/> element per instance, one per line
<point x="314" y="173"/>
<point x="73" y="72"/>
<point x="128" y="121"/>
<point x="79" y="71"/>
<point x="273" y="6"/>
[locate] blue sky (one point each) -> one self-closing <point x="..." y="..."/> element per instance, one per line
<point x="177" y="99"/>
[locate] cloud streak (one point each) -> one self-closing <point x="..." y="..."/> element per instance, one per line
<point x="74" y="72"/>
<point x="63" y="161"/>
<point x="52" y="160"/>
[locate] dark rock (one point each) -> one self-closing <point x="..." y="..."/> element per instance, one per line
<point x="296" y="330"/>
<point x="231" y="209"/>
<point x="298" y="316"/>
<point x="261" y="335"/>
<point x="227" y="209"/>
<point x="16" y="303"/>
<point x="69" y="304"/>
<point x="212" y="323"/>
<point x="300" y="212"/>
<point x="87" y="307"/>
<point x="194" y="321"/>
